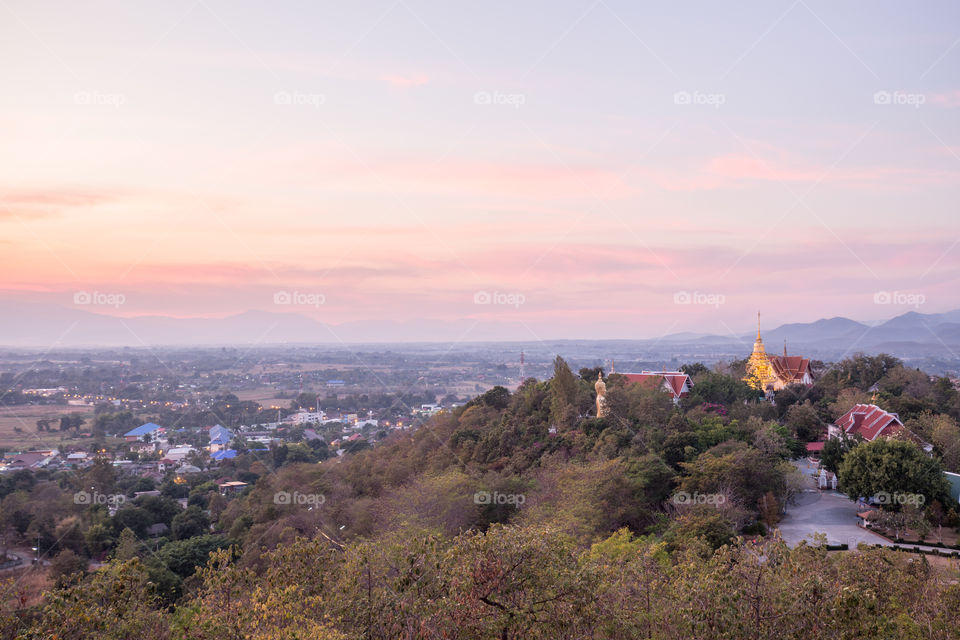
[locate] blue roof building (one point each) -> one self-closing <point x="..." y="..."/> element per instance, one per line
<point x="142" y="430"/>
<point x="220" y="435"/>
<point x="225" y="454"/>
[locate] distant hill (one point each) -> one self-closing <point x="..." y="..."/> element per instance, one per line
<point x="911" y="334"/>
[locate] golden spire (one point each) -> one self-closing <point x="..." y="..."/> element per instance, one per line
<point x="784" y="347"/>
<point x="759" y="371"/>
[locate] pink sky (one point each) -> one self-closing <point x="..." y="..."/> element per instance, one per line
<point x="595" y="160"/>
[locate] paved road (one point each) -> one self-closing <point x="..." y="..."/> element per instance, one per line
<point x="25" y="558"/>
<point x="829" y="512"/>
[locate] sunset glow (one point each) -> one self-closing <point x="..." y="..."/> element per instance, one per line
<point x="400" y="157"/>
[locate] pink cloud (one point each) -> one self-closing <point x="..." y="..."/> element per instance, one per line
<point x="43" y="203"/>
<point x="734" y="170"/>
<point x="406" y="81"/>
<point x="946" y="98"/>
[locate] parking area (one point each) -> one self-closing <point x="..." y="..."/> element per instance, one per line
<point x="827" y="512"/>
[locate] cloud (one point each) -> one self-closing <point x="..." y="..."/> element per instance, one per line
<point x="45" y="203"/>
<point x="946" y="98"/>
<point x="406" y="81"/>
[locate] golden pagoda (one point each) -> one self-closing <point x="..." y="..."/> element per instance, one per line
<point x="760" y="373"/>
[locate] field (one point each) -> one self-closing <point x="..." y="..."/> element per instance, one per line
<point x="263" y="395"/>
<point x="25" y="418"/>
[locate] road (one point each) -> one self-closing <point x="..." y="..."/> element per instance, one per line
<point x="827" y="512"/>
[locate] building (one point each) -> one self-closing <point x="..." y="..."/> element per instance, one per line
<point x="677" y="383"/>
<point x="233" y="486"/>
<point x="220" y="438"/>
<point x="30" y="460"/>
<point x="143" y="447"/>
<point x="870" y="422"/>
<point x="767" y="372"/>
<point x="307" y="417"/>
<point x="142" y="430"/>
<point x="867" y="421"/>
<point x="177" y="454"/>
<point x="815" y="450"/>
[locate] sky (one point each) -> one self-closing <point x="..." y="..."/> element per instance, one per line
<point x="563" y="169"/>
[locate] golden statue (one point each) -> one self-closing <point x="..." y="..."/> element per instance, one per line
<point x="601" y="388"/>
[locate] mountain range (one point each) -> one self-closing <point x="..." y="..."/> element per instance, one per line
<point x="911" y="334"/>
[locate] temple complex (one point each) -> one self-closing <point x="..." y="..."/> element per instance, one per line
<point x="769" y="373"/>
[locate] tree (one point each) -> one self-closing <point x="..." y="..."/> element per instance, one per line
<point x="563" y="394"/>
<point x="803" y="422"/>
<point x="942" y="431"/>
<point x="694" y="369"/>
<point x="895" y="467"/>
<point x="65" y="566"/>
<point x="720" y="388"/>
<point x="835" y="449"/>
<point x="127" y="545"/>
<point x="191" y="522"/>
<point x="113" y="604"/>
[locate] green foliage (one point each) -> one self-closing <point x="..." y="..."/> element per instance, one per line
<point x="835" y="450"/>
<point x="190" y="522"/>
<point x="894" y="467"/>
<point x="487" y="523"/>
<point x="66" y="566"/>
<point x="803" y="422"/>
<point x="719" y="388"/>
<point x="563" y="394"/>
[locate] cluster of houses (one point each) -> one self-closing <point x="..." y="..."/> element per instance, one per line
<point x="155" y="443"/>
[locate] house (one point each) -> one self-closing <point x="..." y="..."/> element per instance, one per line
<point x="871" y="422"/>
<point x="30" y="460"/>
<point x="867" y="421"/>
<point x="176" y="454"/>
<point x="144" y="429"/>
<point x="220" y="438"/>
<point x="814" y="449"/>
<point x="677" y="383"/>
<point x="233" y="486"/>
<point x="187" y="468"/>
<point x="223" y="454"/>
<point x="306" y="417"/>
<point x="143" y="447"/>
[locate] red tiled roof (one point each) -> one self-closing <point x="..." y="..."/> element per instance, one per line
<point x="814" y="446"/>
<point x="675" y="382"/>
<point x="790" y="369"/>
<point x="869" y="421"/>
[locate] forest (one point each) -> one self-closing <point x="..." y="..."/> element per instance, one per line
<point x="518" y="515"/>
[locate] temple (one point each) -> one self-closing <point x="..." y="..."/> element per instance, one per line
<point x="768" y="372"/>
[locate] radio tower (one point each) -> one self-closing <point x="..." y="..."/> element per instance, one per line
<point x="523" y="373"/>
